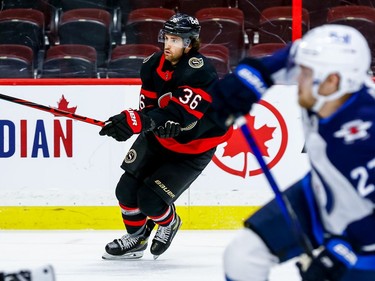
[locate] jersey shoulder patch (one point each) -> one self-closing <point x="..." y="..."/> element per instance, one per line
<point x="195" y="62"/>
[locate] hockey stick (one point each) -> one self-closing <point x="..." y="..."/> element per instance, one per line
<point x="280" y="198"/>
<point x="52" y="110"/>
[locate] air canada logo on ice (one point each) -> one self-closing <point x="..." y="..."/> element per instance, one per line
<point x="34" y="137"/>
<point x="271" y="134"/>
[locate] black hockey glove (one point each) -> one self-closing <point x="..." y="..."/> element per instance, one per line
<point x="122" y="126"/>
<point x="234" y="94"/>
<point x="330" y="264"/>
<point x="170" y="129"/>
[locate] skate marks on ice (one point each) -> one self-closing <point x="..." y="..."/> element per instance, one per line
<point x="76" y="256"/>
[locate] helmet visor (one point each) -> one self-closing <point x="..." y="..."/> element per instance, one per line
<point x="172" y="39"/>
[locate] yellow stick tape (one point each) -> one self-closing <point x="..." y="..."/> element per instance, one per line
<point x="109" y="217"/>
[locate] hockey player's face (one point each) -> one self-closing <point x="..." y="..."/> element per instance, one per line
<point x="173" y="48"/>
<point x="305" y="84"/>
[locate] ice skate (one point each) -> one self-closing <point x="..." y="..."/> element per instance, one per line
<point x="129" y="246"/>
<point x="41" y="273"/>
<point x="164" y="236"/>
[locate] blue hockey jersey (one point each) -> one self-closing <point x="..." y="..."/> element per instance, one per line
<point x="341" y="150"/>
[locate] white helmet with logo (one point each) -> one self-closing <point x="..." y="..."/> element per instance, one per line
<point x="337" y="49"/>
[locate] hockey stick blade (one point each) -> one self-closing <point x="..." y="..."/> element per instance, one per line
<point x="55" y="111"/>
<point x="280" y="198"/>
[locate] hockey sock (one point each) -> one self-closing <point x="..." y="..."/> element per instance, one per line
<point x="166" y="217"/>
<point x="133" y="219"/>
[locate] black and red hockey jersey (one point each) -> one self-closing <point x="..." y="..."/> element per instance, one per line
<point x="181" y="94"/>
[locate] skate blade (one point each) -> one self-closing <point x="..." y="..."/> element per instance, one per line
<point x="156" y="256"/>
<point x="128" y="256"/>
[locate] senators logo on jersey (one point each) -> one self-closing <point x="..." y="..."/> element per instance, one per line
<point x="195" y="62"/>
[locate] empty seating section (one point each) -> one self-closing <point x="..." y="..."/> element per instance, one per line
<point x="265" y="49"/>
<point x="223" y="26"/>
<point x="126" y="6"/>
<point x="126" y="60"/>
<point x="111" y="38"/>
<point x="218" y="56"/>
<point x="16" y="61"/>
<point x="144" y="24"/>
<point x="253" y="8"/>
<point x="90" y="27"/>
<point x="136" y="4"/>
<point x="23" y="27"/>
<point x="275" y="24"/>
<point x="318" y="10"/>
<point x="191" y="7"/>
<point x="44" y="6"/>
<point x="70" y="61"/>
<point x="108" y="5"/>
<point x="67" y="5"/>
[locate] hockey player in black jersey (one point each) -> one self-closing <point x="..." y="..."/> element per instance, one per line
<point x="177" y="138"/>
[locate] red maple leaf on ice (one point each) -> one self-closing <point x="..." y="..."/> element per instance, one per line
<point x="63" y="105"/>
<point x="237" y="143"/>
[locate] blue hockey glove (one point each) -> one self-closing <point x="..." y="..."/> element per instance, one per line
<point x="122" y="126"/>
<point x="330" y="264"/>
<point x="234" y="94"/>
<point x="169" y="130"/>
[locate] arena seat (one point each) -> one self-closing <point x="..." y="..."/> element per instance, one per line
<point x="275" y="24"/>
<point x="47" y="8"/>
<point x="265" y="49"/>
<point x="129" y="5"/>
<point x="252" y="10"/>
<point x="223" y="26"/>
<point x="67" y="5"/>
<point x="90" y="27"/>
<point x="126" y="60"/>
<point x="16" y="61"/>
<point x="143" y="25"/>
<point x="167" y="4"/>
<point x="191" y="7"/>
<point x="108" y="5"/>
<point x="318" y="10"/>
<point x="23" y="27"/>
<point x="70" y="61"/>
<point x="219" y="57"/>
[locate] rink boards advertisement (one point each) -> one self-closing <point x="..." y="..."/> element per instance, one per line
<point x="49" y="161"/>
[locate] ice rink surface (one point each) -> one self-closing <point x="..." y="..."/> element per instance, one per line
<point x="76" y="256"/>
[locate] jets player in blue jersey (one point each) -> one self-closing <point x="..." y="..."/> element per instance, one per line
<point x="335" y="201"/>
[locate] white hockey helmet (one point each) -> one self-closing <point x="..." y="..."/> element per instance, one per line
<point x="334" y="48"/>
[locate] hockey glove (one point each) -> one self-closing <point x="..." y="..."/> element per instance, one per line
<point x="122" y="126"/>
<point x="234" y="94"/>
<point x="330" y="264"/>
<point x="169" y="130"/>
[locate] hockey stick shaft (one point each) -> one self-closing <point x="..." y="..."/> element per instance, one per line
<point x="280" y="198"/>
<point x="52" y="110"/>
